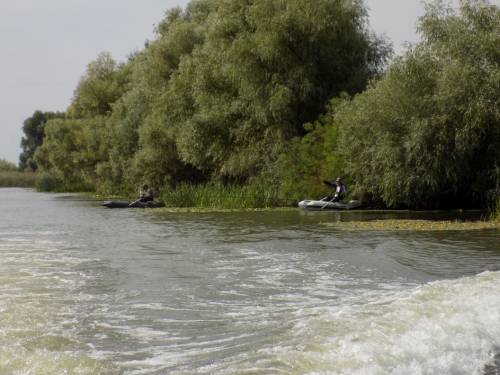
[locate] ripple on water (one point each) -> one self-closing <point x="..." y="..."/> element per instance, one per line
<point x="39" y="298"/>
<point x="445" y="327"/>
<point x="101" y="292"/>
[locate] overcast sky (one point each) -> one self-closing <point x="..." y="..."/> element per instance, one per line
<point x="46" y="45"/>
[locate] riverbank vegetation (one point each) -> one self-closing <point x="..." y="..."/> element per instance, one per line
<point x="428" y="134"/>
<point x="253" y="104"/>
<point x="495" y="211"/>
<point x="34" y="132"/>
<point x="10" y="176"/>
<point x="224" y="197"/>
<point x="17" y="179"/>
<point x="7" y="166"/>
<point x="415" y="225"/>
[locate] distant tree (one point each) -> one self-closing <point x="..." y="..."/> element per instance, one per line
<point x="72" y="151"/>
<point x="33" y="128"/>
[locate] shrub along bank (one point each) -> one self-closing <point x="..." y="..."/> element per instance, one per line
<point x="270" y="98"/>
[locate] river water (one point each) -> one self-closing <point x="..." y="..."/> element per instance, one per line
<point x="89" y="290"/>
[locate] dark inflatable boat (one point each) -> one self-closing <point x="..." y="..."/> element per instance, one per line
<point x="129" y="204"/>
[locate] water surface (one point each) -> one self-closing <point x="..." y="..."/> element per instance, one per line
<point x="89" y="290"/>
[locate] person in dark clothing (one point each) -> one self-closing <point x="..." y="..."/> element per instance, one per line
<point x="146" y="194"/>
<point x="339" y="190"/>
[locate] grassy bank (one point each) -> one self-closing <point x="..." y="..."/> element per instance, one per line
<point x="218" y="196"/>
<point x="17" y="179"/>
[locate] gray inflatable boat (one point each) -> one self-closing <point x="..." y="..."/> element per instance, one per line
<point x="315" y="205"/>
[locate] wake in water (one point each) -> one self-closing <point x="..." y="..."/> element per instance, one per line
<point x="445" y="327"/>
<point x="40" y="294"/>
<point x="91" y="291"/>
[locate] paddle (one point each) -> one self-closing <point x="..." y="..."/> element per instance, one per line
<point x="326" y="204"/>
<point x="134" y="202"/>
<point x="332" y="184"/>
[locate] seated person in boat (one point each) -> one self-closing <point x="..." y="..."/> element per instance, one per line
<point x="339" y="191"/>
<point x="146" y="194"/>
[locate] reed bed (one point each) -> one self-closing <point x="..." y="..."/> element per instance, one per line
<point x="218" y="196"/>
<point x="17" y="179"/>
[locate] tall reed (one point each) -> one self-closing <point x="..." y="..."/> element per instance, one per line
<point x="495" y="213"/>
<point x="221" y="196"/>
<point x="17" y="179"/>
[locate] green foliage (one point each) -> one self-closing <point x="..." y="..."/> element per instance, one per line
<point x="216" y="97"/>
<point x="236" y="93"/>
<point x="311" y="159"/>
<point x="494" y="212"/>
<point x="428" y="133"/>
<point x="72" y="151"/>
<point x="117" y="175"/>
<point x="263" y="70"/>
<point x="48" y="183"/>
<point x="103" y="84"/>
<point x="33" y="128"/>
<point x="7" y="166"/>
<point x="17" y="179"/>
<point x="223" y="196"/>
<point x="496" y="215"/>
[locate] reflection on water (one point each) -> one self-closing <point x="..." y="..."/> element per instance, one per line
<point x="90" y="290"/>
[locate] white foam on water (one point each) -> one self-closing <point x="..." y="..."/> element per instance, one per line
<point x="445" y="327"/>
<point x="39" y="300"/>
<point x="287" y="314"/>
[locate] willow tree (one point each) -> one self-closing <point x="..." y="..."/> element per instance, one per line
<point x="258" y="70"/>
<point x="143" y="147"/>
<point x="75" y="149"/>
<point x="219" y="93"/>
<point x="428" y="133"/>
<point x="103" y="83"/>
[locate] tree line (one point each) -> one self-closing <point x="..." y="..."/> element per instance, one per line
<point x="284" y="94"/>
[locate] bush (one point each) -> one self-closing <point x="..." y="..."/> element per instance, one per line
<point x="310" y="160"/>
<point x="47" y="182"/>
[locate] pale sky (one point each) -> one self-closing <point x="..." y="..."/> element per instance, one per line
<point x="46" y="44"/>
